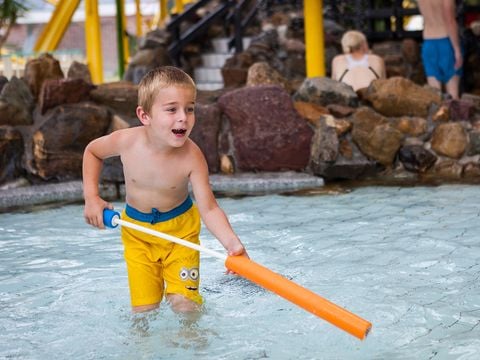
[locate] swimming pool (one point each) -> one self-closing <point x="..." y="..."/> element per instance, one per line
<point x="406" y="259"/>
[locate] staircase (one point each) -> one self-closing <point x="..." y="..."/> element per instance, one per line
<point x="209" y="75"/>
<point x="238" y="13"/>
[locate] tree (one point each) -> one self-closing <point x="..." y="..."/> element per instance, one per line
<point x="10" y="10"/>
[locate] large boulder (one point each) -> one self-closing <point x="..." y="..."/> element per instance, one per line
<point x="375" y="136"/>
<point x="59" y="140"/>
<point x="267" y="132"/>
<point x="120" y="96"/>
<point x="398" y="96"/>
<point x="325" y="91"/>
<point x="16" y="103"/>
<point x="206" y="131"/>
<point x="40" y="69"/>
<point x="63" y="91"/>
<point x="450" y="140"/>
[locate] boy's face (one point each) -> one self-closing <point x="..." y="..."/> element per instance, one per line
<point x="171" y="118"/>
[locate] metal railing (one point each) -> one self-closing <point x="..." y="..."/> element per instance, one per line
<point x="227" y="12"/>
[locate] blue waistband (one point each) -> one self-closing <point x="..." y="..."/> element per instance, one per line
<point x="156" y="216"/>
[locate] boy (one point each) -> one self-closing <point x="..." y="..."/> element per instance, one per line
<point x="159" y="160"/>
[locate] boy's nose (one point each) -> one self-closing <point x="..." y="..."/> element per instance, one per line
<point x="182" y="115"/>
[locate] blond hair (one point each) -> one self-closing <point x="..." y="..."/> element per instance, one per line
<point x="352" y="41"/>
<point x="160" y="78"/>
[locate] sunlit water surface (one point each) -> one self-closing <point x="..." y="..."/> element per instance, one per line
<point x="406" y="259"/>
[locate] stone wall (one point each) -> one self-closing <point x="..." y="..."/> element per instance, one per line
<point x="393" y="130"/>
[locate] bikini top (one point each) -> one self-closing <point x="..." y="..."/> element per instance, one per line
<point x="352" y="63"/>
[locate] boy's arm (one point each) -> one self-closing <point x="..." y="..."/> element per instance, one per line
<point x="212" y="215"/>
<point x="93" y="156"/>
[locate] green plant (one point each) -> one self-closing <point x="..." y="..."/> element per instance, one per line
<point x="10" y="10"/>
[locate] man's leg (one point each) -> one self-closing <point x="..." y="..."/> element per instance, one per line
<point x="433" y="82"/>
<point x="452" y="86"/>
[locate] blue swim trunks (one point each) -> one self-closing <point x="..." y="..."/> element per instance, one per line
<point x="438" y="59"/>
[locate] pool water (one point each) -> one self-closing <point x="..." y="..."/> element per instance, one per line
<point x="406" y="259"/>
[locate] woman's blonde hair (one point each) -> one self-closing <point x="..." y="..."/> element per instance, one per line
<point x="352" y="41"/>
<point x="160" y="78"/>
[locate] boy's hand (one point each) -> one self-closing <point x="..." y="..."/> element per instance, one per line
<point x="239" y="251"/>
<point x="93" y="212"/>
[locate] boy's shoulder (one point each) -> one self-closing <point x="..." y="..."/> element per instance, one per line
<point x="127" y="135"/>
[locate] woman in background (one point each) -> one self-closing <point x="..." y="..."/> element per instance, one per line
<point x="356" y="66"/>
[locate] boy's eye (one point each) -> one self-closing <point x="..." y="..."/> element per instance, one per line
<point x="171" y="109"/>
<point x="191" y="110"/>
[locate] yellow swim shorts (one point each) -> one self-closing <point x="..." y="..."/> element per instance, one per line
<point x="156" y="266"/>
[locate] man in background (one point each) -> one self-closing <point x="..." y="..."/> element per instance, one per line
<point x="441" y="52"/>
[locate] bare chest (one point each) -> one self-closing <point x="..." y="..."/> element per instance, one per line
<point x="155" y="173"/>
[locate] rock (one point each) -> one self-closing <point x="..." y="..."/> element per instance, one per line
<point x="120" y="96"/>
<point x="413" y="126"/>
<point x="310" y="111"/>
<point x="446" y="170"/>
<point x="473" y="99"/>
<point x="342" y="126"/>
<point x="40" y="69"/>
<point x="442" y="114"/>
<point x="375" y="136"/>
<point x="411" y="51"/>
<point x="3" y="81"/>
<point x="450" y="140"/>
<point x="460" y="110"/>
<point x="471" y="170"/>
<point x="226" y="165"/>
<point x="261" y="73"/>
<point x="16" y="103"/>
<point x="324" y="143"/>
<point x="78" y="70"/>
<point x="59" y="141"/>
<point x="340" y="111"/>
<point x="206" y="131"/>
<point x="350" y="164"/>
<point x="112" y="170"/>
<point x="235" y="69"/>
<point x="325" y="91"/>
<point x="416" y="158"/>
<point x="11" y="152"/>
<point x="267" y="133"/>
<point x="63" y="91"/>
<point x="117" y="123"/>
<point x="474" y="143"/>
<point x="401" y="97"/>
<point x="145" y="60"/>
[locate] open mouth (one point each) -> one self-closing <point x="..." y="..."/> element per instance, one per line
<point x="179" y="131"/>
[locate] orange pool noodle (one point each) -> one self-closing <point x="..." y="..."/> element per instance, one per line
<point x="300" y="296"/>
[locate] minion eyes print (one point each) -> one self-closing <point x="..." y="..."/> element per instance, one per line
<point x="191" y="274"/>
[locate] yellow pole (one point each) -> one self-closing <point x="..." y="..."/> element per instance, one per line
<point x="93" y="41"/>
<point x="56" y="27"/>
<point x="126" y="47"/>
<point x="314" y="39"/>
<point x="138" y="18"/>
<point x="163" y="12"/>
<point x="178" y="7"/>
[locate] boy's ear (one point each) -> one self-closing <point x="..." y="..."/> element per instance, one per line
<point x="143" y="116"/>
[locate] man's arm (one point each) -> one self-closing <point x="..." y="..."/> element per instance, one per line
<point x="452" y="30"/>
